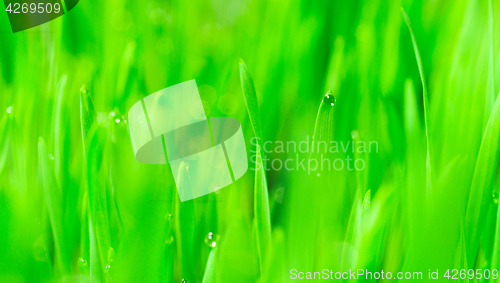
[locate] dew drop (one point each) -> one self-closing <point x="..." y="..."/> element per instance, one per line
<point x="485" y="264"/>
<point x="109" y="269"/>
<point x="112" y="114"/>
<point x="495" y="198"/>
<point x="117" y="120"/>
<point x="329" y="98"/>
<point x="82" y="264"/>
<point x="354" y="134"/>
<point x="168" y="217"/>
<point x="169" y="239"/>
<point x="39" y="250"/>
<point x="9" y="109"/>
<point x="184" y="280"/>
<point x="211" y="239"/>
<point x="51" y="157"/>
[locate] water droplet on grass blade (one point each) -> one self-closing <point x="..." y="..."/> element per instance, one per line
<point x="9" y="109"/>
<point x="495" y="198"/>
<point x="82" y="264"/>
<point x="117" y="120"/>
<point x="184" y="280"/>
<point x="329" y="98"/>
<point x="51" y="157"/>
<point x="211" y="239"/>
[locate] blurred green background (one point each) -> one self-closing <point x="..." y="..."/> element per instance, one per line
<point x="75" y="205"/>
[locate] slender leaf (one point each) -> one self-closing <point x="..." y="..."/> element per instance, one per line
<point x="481" y="192"/>
<point x="250" y="99"/>
<point x="209" y="276"/>
<point x="86" y="115"/>
<point x="490" y="91"/>
<point x="185" y="224"/>
<point x="98" y="194"/>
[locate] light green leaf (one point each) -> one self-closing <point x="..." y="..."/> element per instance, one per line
<point x="87" y="115"/>
<point x="430" y="153"/>
<point x="251" y="99"/>
<point x="97" y="194"/>
<point x="490" y="87"/>
<point x="186" y="227"/>
<point x="209" y="276"/>
<point x="261" y="196"/>
<point x="53" y="201"/>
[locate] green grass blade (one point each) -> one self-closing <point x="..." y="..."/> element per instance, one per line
<point x="236" y="261"/>
<point x="367" y="202"/>
<point x="43" y="261"/>
<point x="95" y="258"/>
<point x="461" y="252"/>
<point x="496" y="247"/>
<point x="87" y="114"/>
<point x="98" y="194"/>
<point x="430" y="154"/>
<point x="126" y="63"/>
<point x="209" y="276"/>
<point x="96" y="268"/>
<point x="480" y="198"/>
<point x="53" y="201"/>
<point x="261" y="196"/>
<point x="261" y="210"/>
<point x="275" y="267"/>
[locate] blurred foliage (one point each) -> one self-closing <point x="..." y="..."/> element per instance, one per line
<point x="75" y="205"/>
